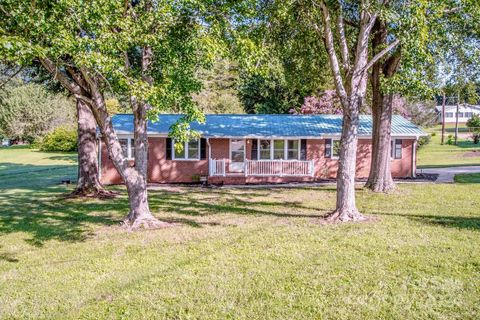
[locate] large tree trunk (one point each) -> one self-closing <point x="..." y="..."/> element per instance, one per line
<point x="380" y="176"/>
<point x="88" y="182"/>
<point x="346" y="208"/>
<point x="135" y="177"/>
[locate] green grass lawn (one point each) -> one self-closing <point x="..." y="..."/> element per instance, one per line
<point x="466" y="153"/>
<point x="467" y="178"/>
<point x="236" y="253"/>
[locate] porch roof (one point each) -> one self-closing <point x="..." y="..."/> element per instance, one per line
<point x="266" y="125"/>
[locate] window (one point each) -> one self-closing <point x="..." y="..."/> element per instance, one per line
<point x="190" y="151"/>
<point x="237" y="150"/>
<point x="278" y="149"/>
<point x="265" y="149"/>
<point x="460" y="114"/>
<point x="335" y="148"/>
<point x="292" y="149"/>
<point x="128" y="147"/>
<point x="468" y="114"/>
<point x="332" y="148"/>
<point x="448" y="114"/>
<point x="396" y="149"/>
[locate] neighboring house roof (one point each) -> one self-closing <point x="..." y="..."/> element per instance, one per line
<point x="266" y="125"/>
<point x="462" y="106"/>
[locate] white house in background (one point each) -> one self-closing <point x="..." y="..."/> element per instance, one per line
<point x="465" y="112"/>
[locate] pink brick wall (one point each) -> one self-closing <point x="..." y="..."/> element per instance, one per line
<point x="161" y="170"/>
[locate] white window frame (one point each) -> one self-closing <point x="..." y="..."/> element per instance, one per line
<point x="129" y="147"/>
<point x="332" y="156"/>
<point x="185" y="149"/>
<point x="299" y="148"/>
<point x="393" y="143"/>
<point x="285" y="149"/>
<point x="244" y="148"/>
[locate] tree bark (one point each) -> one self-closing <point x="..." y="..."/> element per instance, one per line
<point x="380" y="175"/>
<point x="88" y="182"/>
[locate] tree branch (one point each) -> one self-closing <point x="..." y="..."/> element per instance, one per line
<point x="329" y="45"/>
<point x="343" y="43"/>
<point x="382" y="53"/>
<point x="61" y="77"/>
<point x="10" y="78"/>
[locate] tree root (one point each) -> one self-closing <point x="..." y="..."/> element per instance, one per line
<point x="345" y="216"/>
<point x="380" y="187"/>
<point x="147" y="222"/>
<point x="94" y="192"/>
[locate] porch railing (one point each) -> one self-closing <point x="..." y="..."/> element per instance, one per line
<point x="282" y="168"/>
<point x="217" y="167"/>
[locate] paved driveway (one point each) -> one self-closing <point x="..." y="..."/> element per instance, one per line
<point x="445" y="175"/>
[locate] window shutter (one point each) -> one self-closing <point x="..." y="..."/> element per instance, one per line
<point x="203" y="148"/>
<point x="328" y="148"/>
<point x="254" y="149"/>
<point x="303" y="149"/>
<point x="168" y="148"/>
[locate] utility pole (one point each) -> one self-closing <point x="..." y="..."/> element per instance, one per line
<point x="443" y="117"/>
<point x="456" y="117"/>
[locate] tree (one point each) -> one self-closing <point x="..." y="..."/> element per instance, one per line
<point x="268" y="94"/>
<point x="29" y="111"/>
<point x="327" y="103"/>
<point x="147" y="51"/>
<point x="219" y="88"/>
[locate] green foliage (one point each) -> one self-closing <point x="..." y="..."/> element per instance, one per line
<point x="423" y="141"/>
<point x="61" y="139"/>
<point x="267" y="94"/>
<point x="474" y="124"/>
<point x="450" y="139"/>
<point x="29" y="111"/>
<point x="97" y="38"/>
<point x="219" y="93"/>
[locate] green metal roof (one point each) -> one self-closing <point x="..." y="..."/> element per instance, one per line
<point x="267" y="125"/>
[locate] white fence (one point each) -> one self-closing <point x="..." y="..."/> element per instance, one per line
<point x="280" y="168"/>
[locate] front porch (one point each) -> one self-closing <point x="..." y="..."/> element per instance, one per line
<point x="261" y="168"/>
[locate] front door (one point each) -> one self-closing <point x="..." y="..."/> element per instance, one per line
<point x="237" y="155"/>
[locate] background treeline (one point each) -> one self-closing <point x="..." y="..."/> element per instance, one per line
<point x="34" y="113"/>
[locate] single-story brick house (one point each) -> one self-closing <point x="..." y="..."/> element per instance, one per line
<point x="244" y="149"/>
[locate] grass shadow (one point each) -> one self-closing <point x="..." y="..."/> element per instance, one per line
<point x="471" y="223"/>
<point x="44" y="215"/>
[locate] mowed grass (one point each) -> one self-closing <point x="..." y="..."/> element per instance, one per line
<point x="21" y="166"/>
<point x="241" y="254"/>
<point x="467" y="178"/>
<point x="434" y="154"/>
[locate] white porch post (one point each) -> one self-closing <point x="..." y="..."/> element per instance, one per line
<point x="209" y="157"/>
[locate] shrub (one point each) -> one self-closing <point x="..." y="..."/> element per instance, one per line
<point x="433" y="134"/>
<point x="60" y="139"/>
<point x="474" y="125"/>
<point x="424" y="141"/>
<point x="450" y="139"/>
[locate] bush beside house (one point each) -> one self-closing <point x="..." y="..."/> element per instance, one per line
<point x="61" y="139"/>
